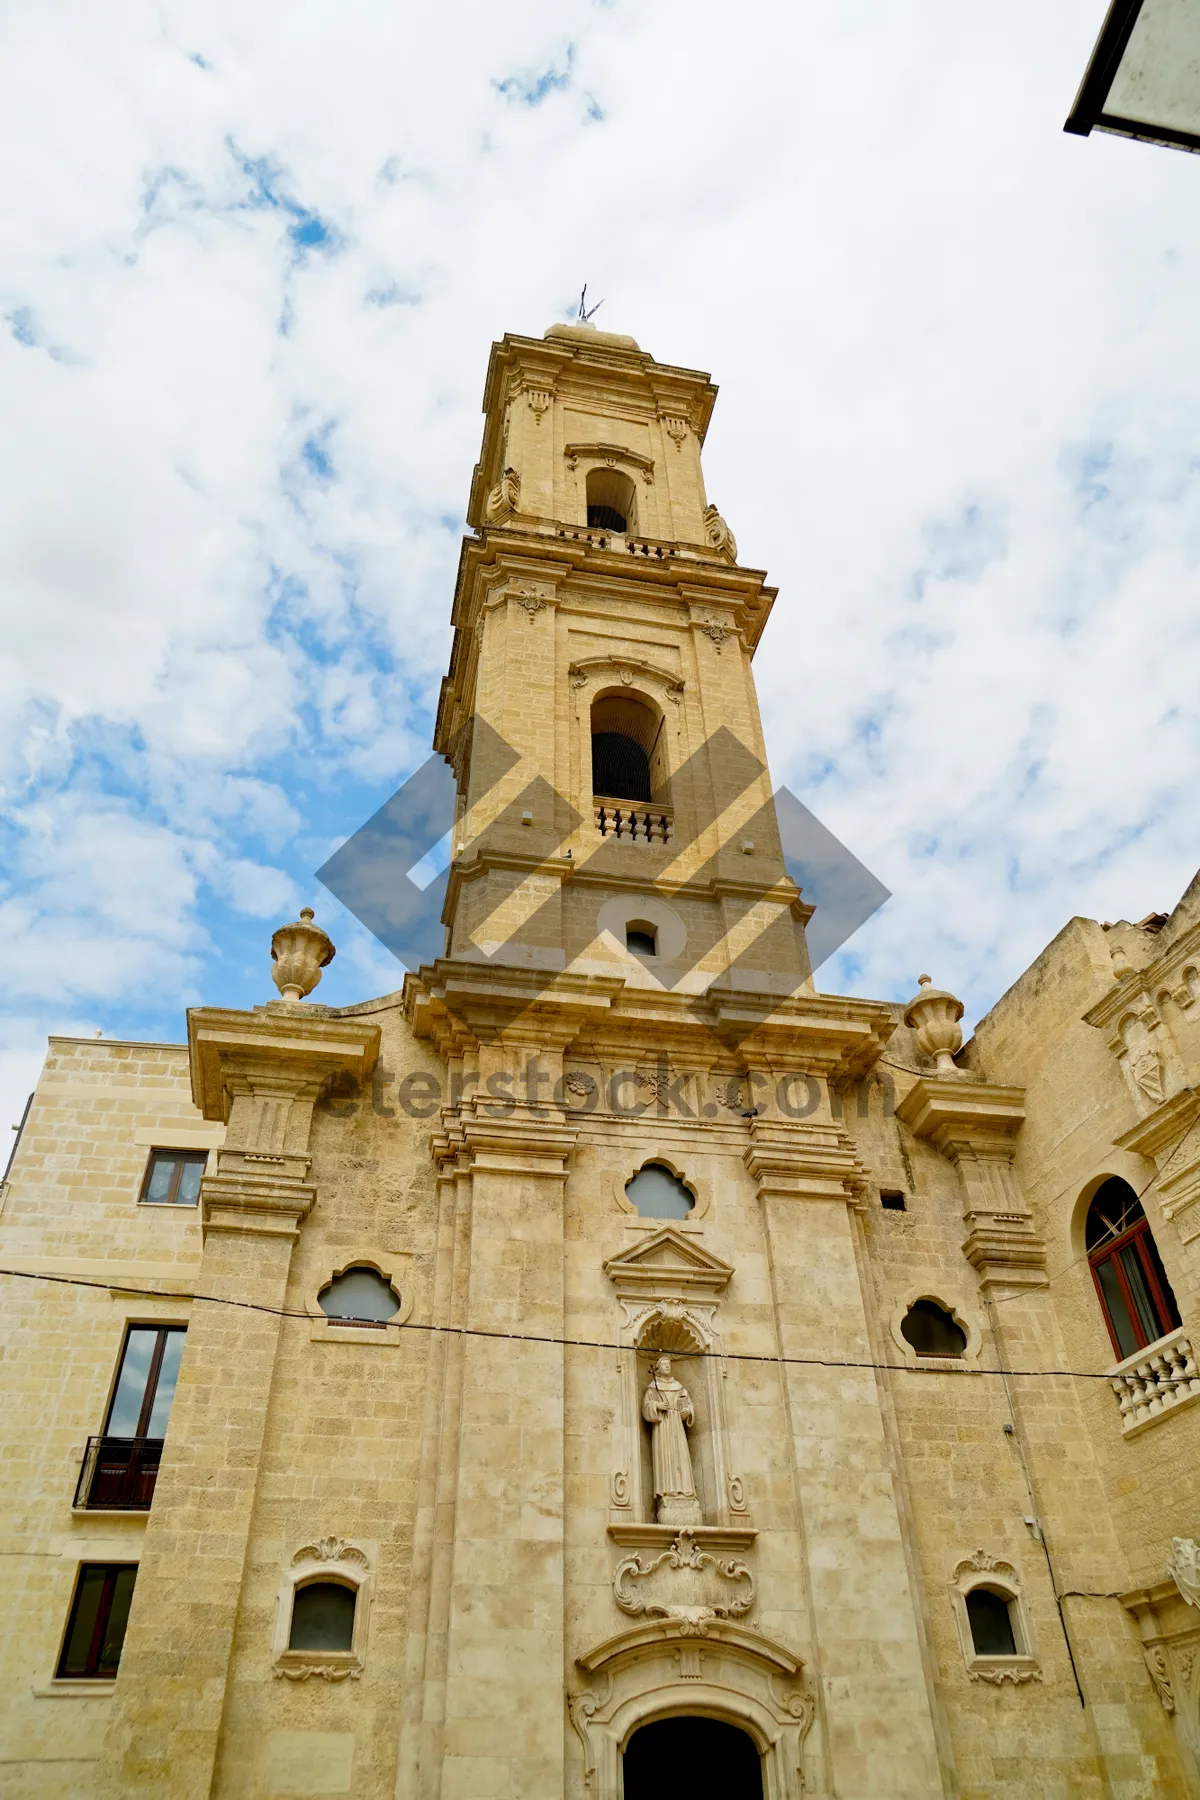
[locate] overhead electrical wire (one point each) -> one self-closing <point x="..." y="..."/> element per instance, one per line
<point x="534" y="1337"/>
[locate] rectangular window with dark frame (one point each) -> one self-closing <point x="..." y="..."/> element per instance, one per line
<point x="96" y="1628"/>
<point x="120" y="1467"/>
<point x="173" y="1177"/>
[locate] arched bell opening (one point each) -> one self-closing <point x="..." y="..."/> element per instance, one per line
<point x="611" y="501"/>
<point x="692" y="1755"/>
<point x="628" y="752"/>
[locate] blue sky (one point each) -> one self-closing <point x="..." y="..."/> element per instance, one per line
<point x="252" y="263"/>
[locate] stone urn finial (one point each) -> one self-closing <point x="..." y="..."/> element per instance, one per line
<point x="934" y="1015"/>
<point x="299" y="952"/>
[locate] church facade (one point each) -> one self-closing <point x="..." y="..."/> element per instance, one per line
<point x="609" y="1362"/>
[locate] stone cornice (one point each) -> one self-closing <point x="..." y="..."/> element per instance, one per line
<point x="821" y="1034"/>
<point x="790" y="1160"/>
<point x="492" y="1001"/>
<point x="294" y="1047"/>
<point x="1163" y="1128"/>
<point x="956" y="1113"/>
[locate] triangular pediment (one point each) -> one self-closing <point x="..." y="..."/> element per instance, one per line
<point x="668" y="1262"/>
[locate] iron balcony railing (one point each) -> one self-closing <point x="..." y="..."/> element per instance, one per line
<point x="118" y="1474"/>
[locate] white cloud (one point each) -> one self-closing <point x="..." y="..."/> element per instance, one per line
<point x="251" y="262"/>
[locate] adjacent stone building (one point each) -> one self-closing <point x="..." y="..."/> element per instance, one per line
<point x="610" y="1365"/>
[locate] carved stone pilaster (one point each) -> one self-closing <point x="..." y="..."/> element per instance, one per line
<point x="975" y="1124"/>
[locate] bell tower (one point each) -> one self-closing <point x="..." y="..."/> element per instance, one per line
<point x="614" y="804"/>
<point x="638" y="1150"/>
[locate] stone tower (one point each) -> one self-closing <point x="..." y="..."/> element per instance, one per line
<point x="627" y="986"/>
<point x="602" y="605"/>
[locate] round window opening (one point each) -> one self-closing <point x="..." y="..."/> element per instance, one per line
<point x="932" y="1330"/>
<point x="359" y="1297"/>
<point x="657" y="1194"/>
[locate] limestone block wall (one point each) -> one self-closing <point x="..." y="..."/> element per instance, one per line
<point x="71" y="1211"/>
<point x="971" y="1484"/>
<point x="342" y="1441"/>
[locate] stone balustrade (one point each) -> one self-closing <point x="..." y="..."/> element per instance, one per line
<point x="1155" y="1381"/>
<point x="640" y="824"/>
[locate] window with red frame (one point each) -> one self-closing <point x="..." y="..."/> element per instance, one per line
<point x="96" y="1629"/>
<point x="1135" y="1295"/>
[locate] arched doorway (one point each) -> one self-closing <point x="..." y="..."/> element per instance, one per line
<point x="704" y="1758"/>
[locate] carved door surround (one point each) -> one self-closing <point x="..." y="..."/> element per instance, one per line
<point x="669" y="1288"/>
<point x="718" y="1670"/>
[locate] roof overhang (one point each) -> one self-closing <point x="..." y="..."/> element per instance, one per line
<point x="1143" y="80"/>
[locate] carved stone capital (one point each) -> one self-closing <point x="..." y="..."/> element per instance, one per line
<point x="262" y="1072"/>
<point x="799" y="1161"/>
<point x="959" y="1116"/>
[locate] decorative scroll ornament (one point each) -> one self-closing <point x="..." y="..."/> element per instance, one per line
<point x="658" y="1080"/>
<point x="504" y="498"/>
<point x="530" y="599"/>
<point x="323" y="1672"/>
<point x="331" y="1549"/>
<point x="933" y="1015"/>
<point x="1184" y="1568"/>
<point x="1156" y="1665"/>
<point x="718" y="534"/>
<point x="998" y="1676"/>
<point x="299" y="952"/>
<point x="677" y="428"/>
<point x="717" y="630"/>
<point x="983" y="1564"/>
<point x="582" y="1707"/>
<point x="685" y="1584"/>
<point x="796" y="1705"/>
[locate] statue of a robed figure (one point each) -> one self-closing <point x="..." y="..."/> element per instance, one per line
<point x="667" y="1407"/>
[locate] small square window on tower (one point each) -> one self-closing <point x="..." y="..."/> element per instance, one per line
<point x="892" y="1200"/>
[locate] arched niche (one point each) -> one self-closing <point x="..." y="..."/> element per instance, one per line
<point x="667" y="1670"/>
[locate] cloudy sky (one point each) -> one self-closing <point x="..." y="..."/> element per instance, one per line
<point x="252" y="260"/>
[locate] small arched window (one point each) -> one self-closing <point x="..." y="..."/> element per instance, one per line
<point x="990" y="1616"/>
<point x="323" y="1617"/>
<point x="611" y="501"/>
<point x="641" y="937"/>
<point x="658" y="1194"/>
<point x="359" y="1297"/>
<point x="932" y="1330"/>
<point x="1135" y="1295"/>
<point x="626" y="749"/>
